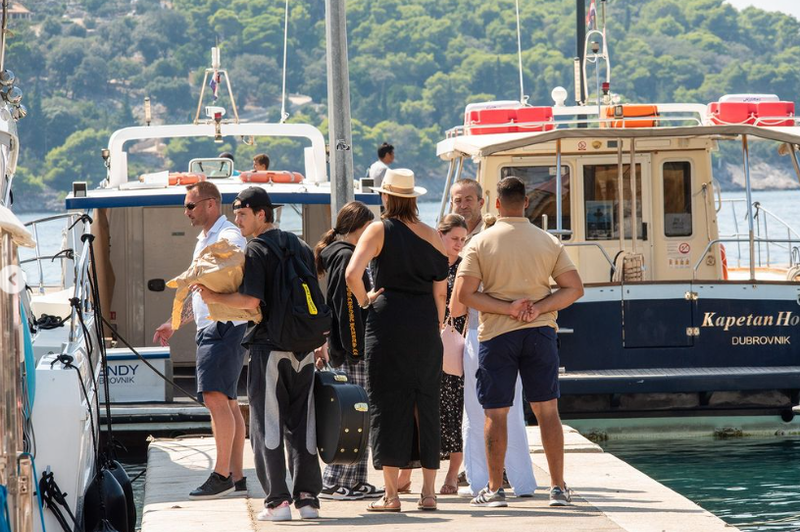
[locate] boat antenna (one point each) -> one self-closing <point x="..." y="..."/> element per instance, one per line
<point x="599" y="52"/>
<point x="522" y="98"/>
<point x="284" y="114"/>
<point x="217" y="74"/>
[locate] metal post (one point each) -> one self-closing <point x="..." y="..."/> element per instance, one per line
<point x="448" y="183"/>
<point x="634" y="220"/>
<point x="339" y="134"/>
<point x="749" y="190"/>
<point x="558" y="189"/>
<point x="580" y="41"/>
<point x="620" y="196"/>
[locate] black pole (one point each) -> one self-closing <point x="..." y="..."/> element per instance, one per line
<point x="580" y="40"/>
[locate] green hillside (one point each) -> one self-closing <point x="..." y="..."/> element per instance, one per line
<point x="86" y="67"/>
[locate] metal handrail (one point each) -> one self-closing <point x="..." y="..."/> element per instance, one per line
<point x="762" y="222"/>
<point x="33" y="225"/>
<point x="721" y="240"/>
<point x="598" y="246"/>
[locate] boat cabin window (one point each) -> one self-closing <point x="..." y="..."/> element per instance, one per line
<point x="213" y="168"/>
<point x="540" y="181"/>
<point x="601" y="201"/>
<point x="677" y="198"/>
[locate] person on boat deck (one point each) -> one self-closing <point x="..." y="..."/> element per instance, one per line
<point x="403" y="345"/>
<point x="467" y="200"/>
<point x="279" y="383"/>
<point x="378" y="169"/>
<point x="515" y="261"/>
<point x="345" y="347"/>
<point x="261" y="162"/>
<point x="229" y="155"/>
<point x="220" y="354"/>
<point x="453" y="230"/>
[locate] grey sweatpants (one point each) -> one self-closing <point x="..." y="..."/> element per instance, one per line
<point x="280" y="387"/>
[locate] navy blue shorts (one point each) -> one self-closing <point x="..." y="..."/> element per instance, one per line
<point x="220" y="357"/>
<point x="532" y="353"/>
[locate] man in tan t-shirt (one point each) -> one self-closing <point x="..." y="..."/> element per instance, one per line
<point x="515" y="260"/>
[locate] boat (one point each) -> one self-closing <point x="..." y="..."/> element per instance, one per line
<point x="678" y="319"/>
<point x="143" y="239"/>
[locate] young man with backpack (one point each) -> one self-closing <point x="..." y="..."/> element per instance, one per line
<point x="280" y="278"/>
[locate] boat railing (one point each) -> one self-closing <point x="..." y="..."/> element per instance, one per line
<point x="70" y="237"/>
<point x="669" y="115"/>
<point x="739" y="241"/>
<point x="82" y="292"/>
<point x="596" y="245"/>
<point x="769" y="251"/>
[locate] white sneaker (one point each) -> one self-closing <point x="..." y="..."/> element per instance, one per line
<point x="282" y="512"/>
<point x="308" y="512"/>
<point x="466" y="491"/>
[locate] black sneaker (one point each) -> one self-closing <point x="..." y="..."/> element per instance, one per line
<point x="340" y="493"/>
<point x="216" y="486"/>
<point x="368" y="490"/>
<point x="241" y="485"/>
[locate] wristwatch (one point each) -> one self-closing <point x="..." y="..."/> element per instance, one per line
<point x="366" y="305"/>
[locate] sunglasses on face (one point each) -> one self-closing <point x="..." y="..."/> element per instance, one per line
<point x="191" y="206"/>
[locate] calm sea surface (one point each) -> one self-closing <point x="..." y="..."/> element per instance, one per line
<point x="753" y="484"/>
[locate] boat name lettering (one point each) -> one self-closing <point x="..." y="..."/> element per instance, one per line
<point x="783" y="319"/>
<point x="761" y="340"/>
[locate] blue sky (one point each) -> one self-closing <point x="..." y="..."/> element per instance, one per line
<point x="792" y="7"/>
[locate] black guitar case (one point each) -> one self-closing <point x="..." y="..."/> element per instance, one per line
<point x="342" y="418"/>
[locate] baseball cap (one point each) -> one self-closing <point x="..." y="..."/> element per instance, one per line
<point x="254" y="197"/>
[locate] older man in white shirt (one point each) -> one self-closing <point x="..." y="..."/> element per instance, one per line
<point x="220" y="355"/>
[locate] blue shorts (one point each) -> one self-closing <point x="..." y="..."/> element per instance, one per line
<point x="220" y="357"/>
<point x="532" y="353"/>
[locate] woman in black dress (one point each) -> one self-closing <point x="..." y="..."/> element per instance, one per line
<point x="453" y="230"/>
<point x="403" y="346"/>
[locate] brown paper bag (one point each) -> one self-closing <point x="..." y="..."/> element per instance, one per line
<point x="220" y="267"/>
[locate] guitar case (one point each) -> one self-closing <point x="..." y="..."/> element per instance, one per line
<point x="342" y="414"/>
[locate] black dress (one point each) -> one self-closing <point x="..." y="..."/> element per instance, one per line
<point x="451" y="403"/>
<point x="404" y="351"/>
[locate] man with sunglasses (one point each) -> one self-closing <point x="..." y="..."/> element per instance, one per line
<point x="220" y="354"/>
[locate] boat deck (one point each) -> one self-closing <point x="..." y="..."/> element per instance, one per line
<point x="610" y="495"/>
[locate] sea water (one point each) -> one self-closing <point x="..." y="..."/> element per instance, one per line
<point x="751" y="483"/>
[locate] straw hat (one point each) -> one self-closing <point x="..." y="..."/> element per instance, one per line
<point x="400" y="183"/>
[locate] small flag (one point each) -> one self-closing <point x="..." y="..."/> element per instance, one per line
<point x="214" y="84"/>
<point x="591" y="16"/>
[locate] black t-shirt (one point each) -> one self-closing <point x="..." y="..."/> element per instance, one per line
<point x="259" y="273"/>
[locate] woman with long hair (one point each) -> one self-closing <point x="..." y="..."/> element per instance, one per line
<point x="345" y="346"/>
<point x="453" y="231"/>
<point x="404" y="349"/>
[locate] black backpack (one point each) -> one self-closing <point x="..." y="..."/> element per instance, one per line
<point x="298" y="318"/>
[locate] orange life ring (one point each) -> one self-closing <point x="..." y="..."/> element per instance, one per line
<point x="269" y="176"/>
<point x="185" y="178"/>
<point x="724" y="260"/>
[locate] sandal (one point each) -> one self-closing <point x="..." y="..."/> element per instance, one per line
<point x="382" y="505"/>
<point x="405" y="488"/>
<point x="448" y="489"/>
<point x="421" y="504"/>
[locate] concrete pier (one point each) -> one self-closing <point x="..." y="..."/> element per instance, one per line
<point x="609" y="495"/>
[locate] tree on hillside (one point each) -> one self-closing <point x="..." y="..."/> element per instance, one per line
<point x="78" y="159"/>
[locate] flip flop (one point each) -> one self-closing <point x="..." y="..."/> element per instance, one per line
<point x="382" y="505"/>
<point x="405" y="488"/>
<point x="427" y="507"/>
<point x="448" y="489"/>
